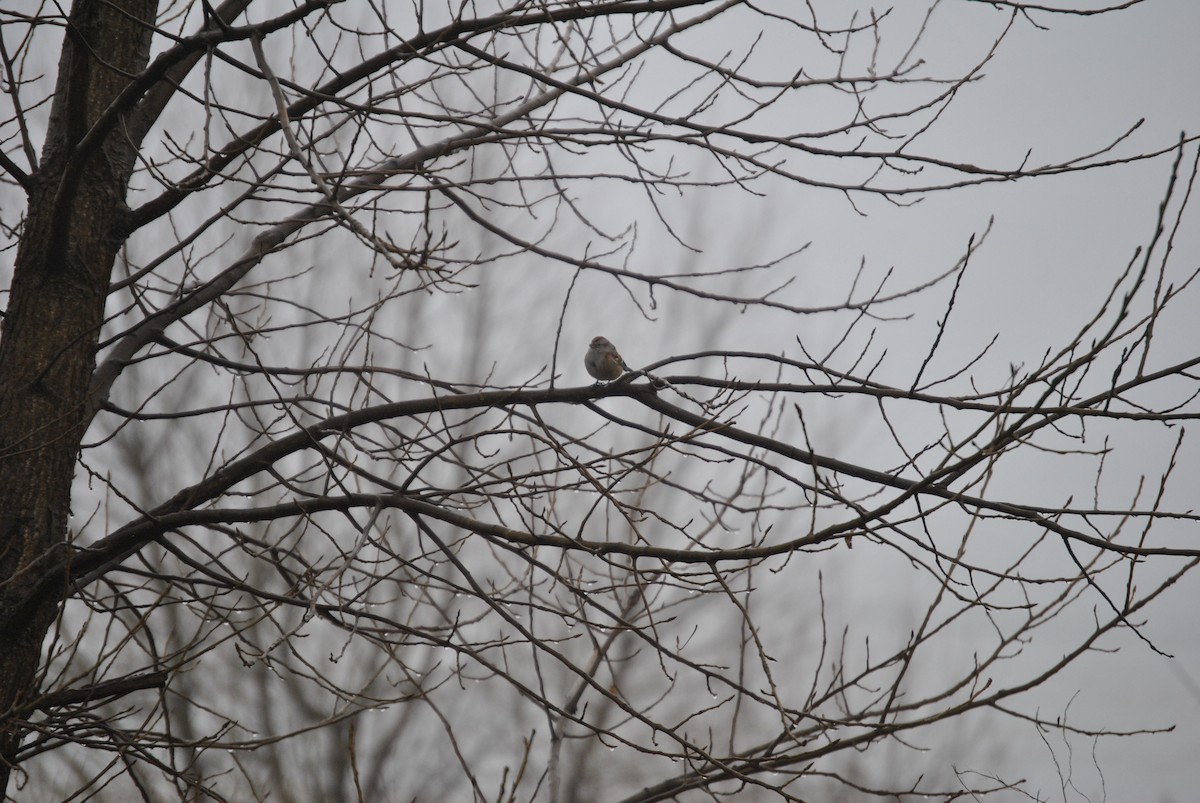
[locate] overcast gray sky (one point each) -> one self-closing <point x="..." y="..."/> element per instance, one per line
<point x="1054" y="248"/>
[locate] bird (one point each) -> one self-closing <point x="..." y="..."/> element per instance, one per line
<point x="603" y="361"/>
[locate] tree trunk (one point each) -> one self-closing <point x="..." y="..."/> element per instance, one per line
<point x="51" y="327"/>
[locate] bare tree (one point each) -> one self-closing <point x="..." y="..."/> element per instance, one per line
<point x="300" y="497"/>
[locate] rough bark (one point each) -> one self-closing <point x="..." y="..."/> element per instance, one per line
<point x="51" y="328"/>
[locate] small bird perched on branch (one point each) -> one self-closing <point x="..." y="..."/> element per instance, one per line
<point x="603" y="361"/>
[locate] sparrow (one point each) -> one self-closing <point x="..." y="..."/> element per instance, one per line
<point x="603" y="361"/>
